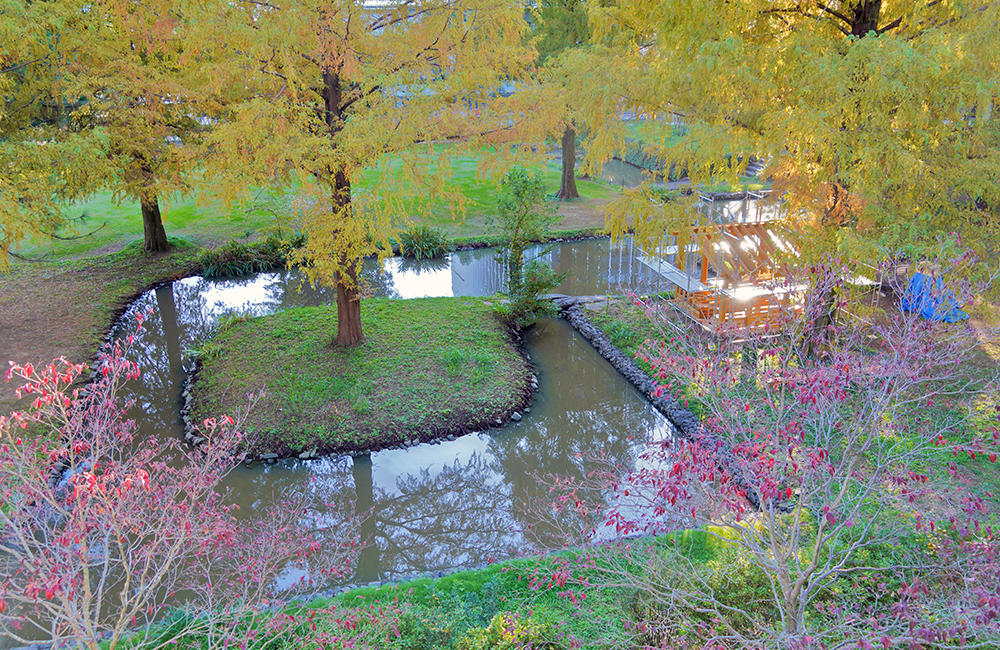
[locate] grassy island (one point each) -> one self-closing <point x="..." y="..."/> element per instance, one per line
<point x="427" y="368"/>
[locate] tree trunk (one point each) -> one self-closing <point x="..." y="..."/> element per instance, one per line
<point x="348" y="298"/>
<point x="154" y="236"/>
<point x="348" y="307"/>
<point x="567" y="189"/>
<point x="865" y="17"/>
<point x="817" y="334"/>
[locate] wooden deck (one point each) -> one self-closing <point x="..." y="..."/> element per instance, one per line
<point x="723" y="314"/>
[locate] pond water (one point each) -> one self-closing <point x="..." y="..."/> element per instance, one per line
<point x="433" y="507"/>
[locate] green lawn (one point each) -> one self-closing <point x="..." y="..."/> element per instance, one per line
<point x="445" y="613"/>
<point x="456" y="611"/>
<point x="629" y="329"/>
<point x="427" y="368"/>
<point x="107" y="225"/>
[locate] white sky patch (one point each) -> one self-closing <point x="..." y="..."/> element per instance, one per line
<point x="425" y="283"/>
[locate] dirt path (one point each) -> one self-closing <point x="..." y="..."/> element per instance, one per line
<point x="582" y="213"/>
<point x="63" y="309"/>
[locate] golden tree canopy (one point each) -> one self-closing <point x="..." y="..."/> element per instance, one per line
<point x="877" y="118"/>
<point x="43" y="160"/>
<point x="332" y="88"/>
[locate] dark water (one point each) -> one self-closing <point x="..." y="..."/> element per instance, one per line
<point x="434" y="506"/>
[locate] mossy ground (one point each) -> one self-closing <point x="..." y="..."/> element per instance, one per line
<point x="427" y="368"/>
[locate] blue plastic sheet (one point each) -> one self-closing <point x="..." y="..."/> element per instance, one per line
<point x="926" y="296"/>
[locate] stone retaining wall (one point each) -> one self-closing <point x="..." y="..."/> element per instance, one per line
<point x="683" y="420"/>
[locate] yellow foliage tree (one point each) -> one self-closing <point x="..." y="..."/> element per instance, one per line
<point x="336" y="87"/>
<point x="877" y="118"/>
<point x="43" y="160"/>
<point x="143" y="74"/>
<point x="100" y="94"/>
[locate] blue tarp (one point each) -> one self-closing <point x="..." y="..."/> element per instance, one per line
<point x="926" y="296"/>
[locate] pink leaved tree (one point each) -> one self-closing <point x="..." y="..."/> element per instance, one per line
<point x="831" y="497"/>
<point x="101" y="532"/>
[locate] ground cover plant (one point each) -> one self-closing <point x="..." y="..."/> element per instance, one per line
<point x="423" y="242"/>
<point x="428" y="367"/>
<point x="236" y="258"/>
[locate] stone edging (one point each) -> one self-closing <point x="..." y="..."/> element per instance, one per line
<point x="683" y="420"/>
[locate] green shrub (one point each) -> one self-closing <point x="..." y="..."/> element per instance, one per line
<point x="423" y="242"/>
<point x="508" y="631"/>
<point x="477" y="364"/>
<point x="526" y="306"/>
<point x="236" y="259"/>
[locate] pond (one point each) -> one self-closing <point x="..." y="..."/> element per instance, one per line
<point x="432" y="507"/>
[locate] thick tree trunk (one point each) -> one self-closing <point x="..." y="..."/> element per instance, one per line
<point x="865" y="17"/>
<point x="348" y="298"/>
<point x="348" y="307"/>
<point x="154" y="236"/>
<point x="817" y="334"/>
<point x="567" y="189"/>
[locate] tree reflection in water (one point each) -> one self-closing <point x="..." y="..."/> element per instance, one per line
<point x="431" y="507"/>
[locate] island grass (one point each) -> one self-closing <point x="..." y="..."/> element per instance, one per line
<point x="427" y="368"/>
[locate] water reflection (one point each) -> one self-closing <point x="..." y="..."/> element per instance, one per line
<point x="436" y="506"/>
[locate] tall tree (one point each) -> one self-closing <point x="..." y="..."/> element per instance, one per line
<point x="44" y="160"/>
<point x="877" y="117"/>
<point x="335" y="88"/>
<point x="143" y="75"/>
<point x="99" y="95"/>
<point x="561" y="25"/>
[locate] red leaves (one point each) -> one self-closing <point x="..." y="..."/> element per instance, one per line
<point x="129" y="504"/>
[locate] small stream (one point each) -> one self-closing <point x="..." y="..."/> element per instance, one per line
<point x="433" y="507"/>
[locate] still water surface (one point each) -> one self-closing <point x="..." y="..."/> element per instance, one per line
<point x="433" y="507"/>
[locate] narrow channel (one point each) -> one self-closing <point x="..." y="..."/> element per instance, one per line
<point x="433" y="507"/>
